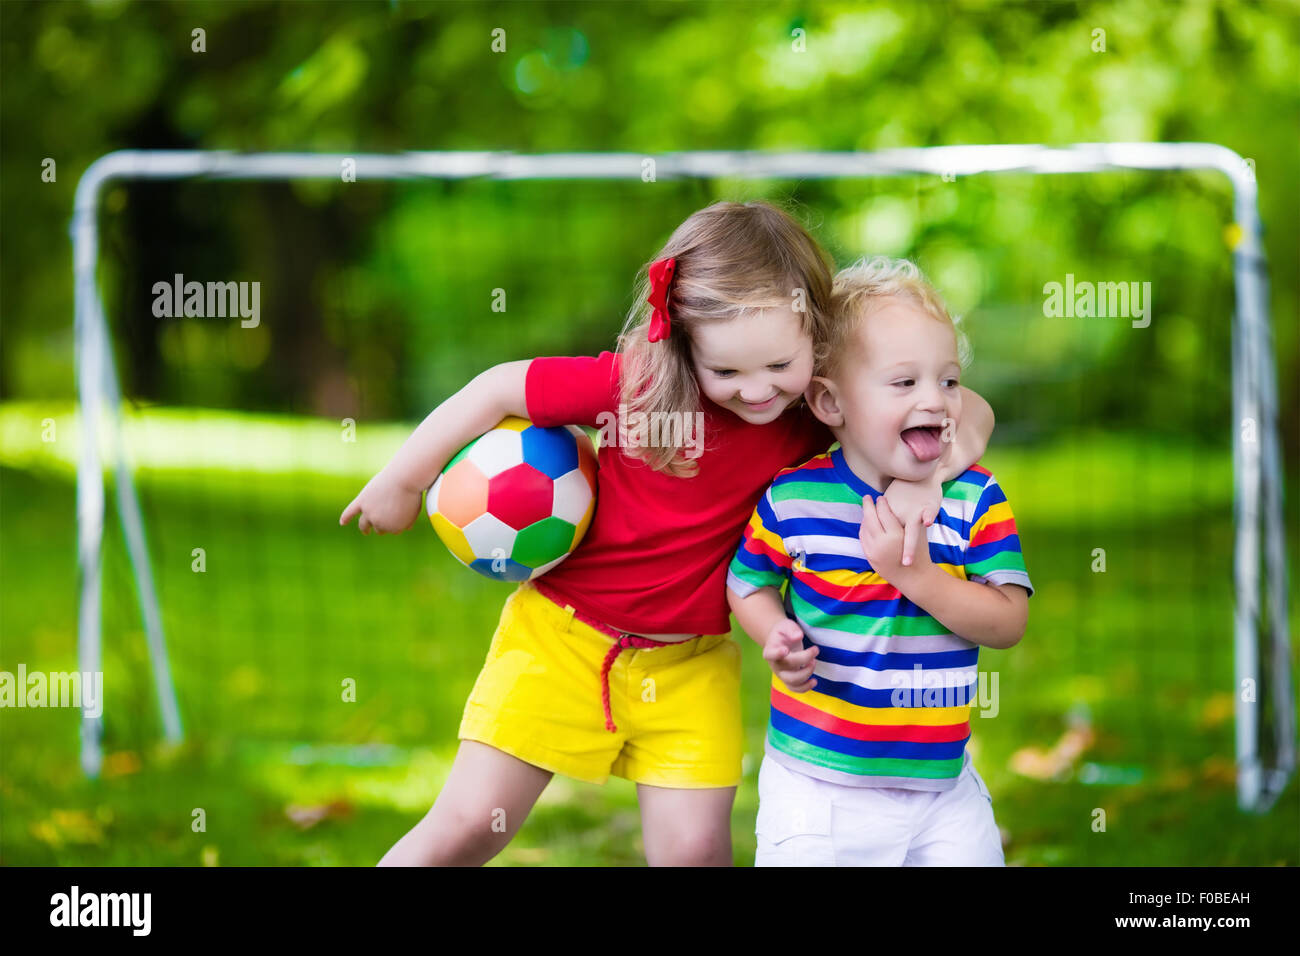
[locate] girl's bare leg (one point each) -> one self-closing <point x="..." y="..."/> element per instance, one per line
<point x="686" y="827"/>
<point x="485" y="801"/>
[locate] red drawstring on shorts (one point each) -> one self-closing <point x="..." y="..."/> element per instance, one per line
<point x="622" y="641"/>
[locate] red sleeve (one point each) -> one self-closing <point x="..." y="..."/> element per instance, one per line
<point x="571" y="391"/>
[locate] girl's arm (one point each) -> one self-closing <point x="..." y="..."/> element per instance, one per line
<point x="972" y="438"/>
<point x="912" y="499"/>
<point x="390" y="501"/>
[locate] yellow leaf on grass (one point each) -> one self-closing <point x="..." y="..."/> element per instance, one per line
<point x="530" y="854"/>
<point x="306" y="817"/>
<point x="68" y="826"/>
<point x="1219" y="770"/>
<point x="1218" y="709"/>
<point x="1046" y="764"/>
<point x="121" y="763"/>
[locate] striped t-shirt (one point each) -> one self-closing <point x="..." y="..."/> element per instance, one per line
<point x="894" y="687"/>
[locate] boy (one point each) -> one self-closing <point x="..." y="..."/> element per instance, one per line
<point x="865" y="762"/>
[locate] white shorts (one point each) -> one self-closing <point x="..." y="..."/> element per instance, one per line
<point x="803" y="821"/>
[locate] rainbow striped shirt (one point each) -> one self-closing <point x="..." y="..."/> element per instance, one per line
<point x="894" y="687"/>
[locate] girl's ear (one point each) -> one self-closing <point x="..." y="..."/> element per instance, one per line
<point x="823" y="399"/>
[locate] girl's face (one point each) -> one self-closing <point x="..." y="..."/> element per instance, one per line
<point x="755" y="365"/>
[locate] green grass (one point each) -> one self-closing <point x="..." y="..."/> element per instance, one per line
<point x="290" y="606"/>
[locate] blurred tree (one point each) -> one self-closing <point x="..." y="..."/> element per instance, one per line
<point x="380" y="295"/>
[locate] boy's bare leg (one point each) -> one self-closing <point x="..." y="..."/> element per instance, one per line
<point x="485" y="801"/>
<point x="686" y="827"/>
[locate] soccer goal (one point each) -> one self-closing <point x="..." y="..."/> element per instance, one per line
<point x="1260" y="623"/>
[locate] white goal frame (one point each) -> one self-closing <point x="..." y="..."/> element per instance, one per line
<point x="1257" y="471"/>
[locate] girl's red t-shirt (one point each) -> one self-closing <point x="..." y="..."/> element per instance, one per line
<point x="654" y="560"/>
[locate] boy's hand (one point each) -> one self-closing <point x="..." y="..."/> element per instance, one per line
<point x="910" y="500"/>
<point x="794" y="667"/>
<point x="882" y="538"/>
<point x="385" y="505"/>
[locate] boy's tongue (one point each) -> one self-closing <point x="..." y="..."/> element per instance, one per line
<point x="924" y="443"/>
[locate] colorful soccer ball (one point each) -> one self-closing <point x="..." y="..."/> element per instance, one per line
<point x="516" y="501"/>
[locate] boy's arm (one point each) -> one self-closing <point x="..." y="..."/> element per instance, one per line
<point x="763" y="617"/>
<point x="992" y="615"/>
<point x="988" y="614"/>
<point x="758" y="570"/>
<point x="758" y="613"/>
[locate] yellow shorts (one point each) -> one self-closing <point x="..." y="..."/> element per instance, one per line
<point x="538" y="698"/>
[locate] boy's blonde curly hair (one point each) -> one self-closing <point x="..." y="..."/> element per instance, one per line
<point x="861" y="288"/>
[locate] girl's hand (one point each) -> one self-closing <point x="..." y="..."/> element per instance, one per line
<point x="794" y="667"/>
<point x="910" y="501"/>
<point x="385" y="505"/>
<point x="883" y="537"/>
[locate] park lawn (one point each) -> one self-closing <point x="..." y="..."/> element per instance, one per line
<point x="289" y="607"/>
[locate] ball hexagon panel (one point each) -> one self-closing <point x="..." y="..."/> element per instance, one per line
<point x="584" y="524"/>
<point x="543" y="542"/>
<point x="454" y="539"/>
<point x="503" y="569"/>
<point x="520" y="496"/>
<point x="458" y="456"/>
<point x="431" y="496"/>
<point x="462" y="493"/>
<point x="587" y="463"/>
<point x="550" y="450"/>
<point x="572" y="496"/>
<point x="489" y="538"/>
<point x="515" y="423"/>
<point x="538" y="572"/>
<point x="585" y="446"/>
<point x="496" y="451"/>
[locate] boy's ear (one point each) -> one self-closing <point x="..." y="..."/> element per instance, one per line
<point x="823" y="399"/>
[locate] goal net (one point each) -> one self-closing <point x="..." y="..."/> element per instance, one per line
<point x="256" y="334"/>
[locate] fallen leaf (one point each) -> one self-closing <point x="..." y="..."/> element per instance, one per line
<point x="1178" y="778"/>
<point x="1218" y="709"/>
<point x="1046" y="765"/>
<point x="68" y="826"/>
<point x="531" y="854"/>
<point x="121" y="763"/>
<point x="306" y="817"/>
<point x="1219" y="770"/>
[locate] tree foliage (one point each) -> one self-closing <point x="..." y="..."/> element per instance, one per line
<point x="378" y="297"/>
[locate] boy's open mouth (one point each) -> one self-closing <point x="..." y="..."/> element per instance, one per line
<point x="924" y="441"/>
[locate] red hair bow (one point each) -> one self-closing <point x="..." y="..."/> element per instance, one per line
<point x="661" y="276"/>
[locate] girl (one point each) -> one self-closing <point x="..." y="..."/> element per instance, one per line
<point x="619" y="660"/>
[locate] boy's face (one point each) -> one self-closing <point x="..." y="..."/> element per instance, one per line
<point x="754" y="365"/>
<point x="889" y="400"/>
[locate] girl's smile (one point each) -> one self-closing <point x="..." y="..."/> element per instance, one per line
<point x="765" y="356"/>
